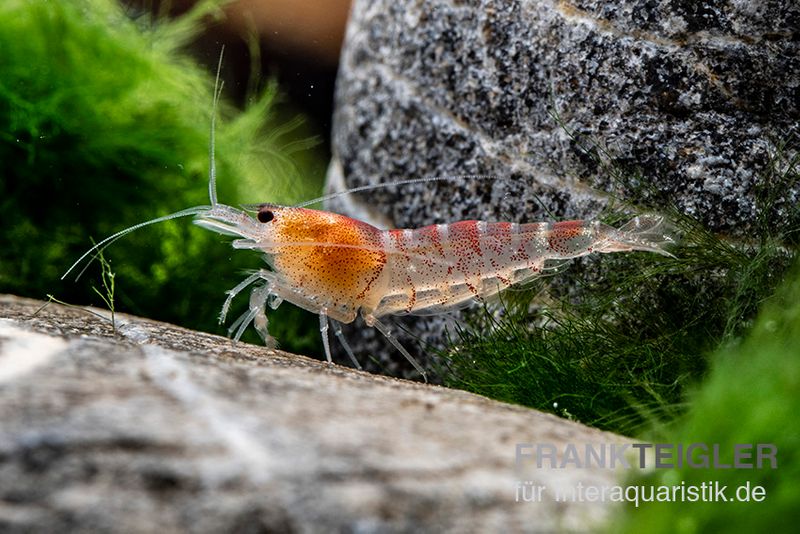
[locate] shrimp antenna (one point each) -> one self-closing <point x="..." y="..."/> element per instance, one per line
<point x="110" y="239"/>
<point x="212" y="164"/>
<point x="412" y="181"/>
<point x="212" y="188"/>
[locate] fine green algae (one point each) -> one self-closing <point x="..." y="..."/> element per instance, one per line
<point x="751" y="396"/>
<point x="614" y="341"/>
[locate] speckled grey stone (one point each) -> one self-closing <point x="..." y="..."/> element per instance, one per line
<point x="654" y="101"/>
<point x="160" y="429"/>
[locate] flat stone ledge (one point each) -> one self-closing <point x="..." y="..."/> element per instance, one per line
<point x="156" y="427"/>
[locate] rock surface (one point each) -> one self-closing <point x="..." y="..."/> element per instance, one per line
<point x="694" y="95"/>
<point x="157" y="428"/>
<point x="573" y="103"/>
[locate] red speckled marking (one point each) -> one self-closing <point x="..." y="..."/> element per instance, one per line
<point x="520" y="254"/>
<point x="431" y="234"/>
<point x="399" y="238"/>
<point x="501" y="234"/>
<point x="561" y="234"/>
<point x="466" y="237"/>
<point x="497" y="272"/>
<point x="465" y="240"/>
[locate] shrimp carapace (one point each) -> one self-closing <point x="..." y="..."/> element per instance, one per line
<point x="335" y="257"/>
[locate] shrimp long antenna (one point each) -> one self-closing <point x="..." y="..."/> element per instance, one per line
<point x="212" y="187"/>
<point x="212" y="164"/>
<point x="411" y="181"/>
<point x="110" y="239"/>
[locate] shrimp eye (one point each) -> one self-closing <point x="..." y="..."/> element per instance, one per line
<point x="265" y="216"/>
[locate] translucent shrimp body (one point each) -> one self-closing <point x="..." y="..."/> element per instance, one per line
<point x="438" y="267"/>
<point x="339" y="267"/>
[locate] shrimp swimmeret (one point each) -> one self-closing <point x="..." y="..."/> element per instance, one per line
<point x="338" y="267"/>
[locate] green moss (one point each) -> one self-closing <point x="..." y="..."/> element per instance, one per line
<point x="752" y="395"/>
<point x="104" y="123"/>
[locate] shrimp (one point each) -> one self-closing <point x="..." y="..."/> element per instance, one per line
<point x="339" y="268"/>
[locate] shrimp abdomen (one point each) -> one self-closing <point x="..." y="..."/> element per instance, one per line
<point x="439" y="267"/>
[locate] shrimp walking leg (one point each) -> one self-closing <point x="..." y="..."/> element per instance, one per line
<point x="238" y="327"/>
<point x="373" y="321"/>
<point x="324" y="323"/>
<point x="258" y="303"/>
<point x="256" y="312"/>
<point x="323" y="332"/>
<point x="337" y="329"/>
<point x="236" y="290"/>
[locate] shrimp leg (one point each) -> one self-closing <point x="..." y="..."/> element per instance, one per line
<point x="236" y="290"/>
<point x="323" y="332"/>
<point x="324" y="323"/>
<point x="257" y="309"/>
<point x="337" y="329"/>
<point x="373" y="321"/>
<point x="258" y="303"/>
<point x="240" y="324"/>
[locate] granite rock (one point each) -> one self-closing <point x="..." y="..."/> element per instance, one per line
<point x="570" y="104"/>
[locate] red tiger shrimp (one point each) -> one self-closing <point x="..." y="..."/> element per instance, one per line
<point x="339" y="268"/>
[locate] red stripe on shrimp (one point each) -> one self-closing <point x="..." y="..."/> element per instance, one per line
<point x="562" y="233"/>
<point x="464" y="238"/>
<point x="497" y="237"/>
